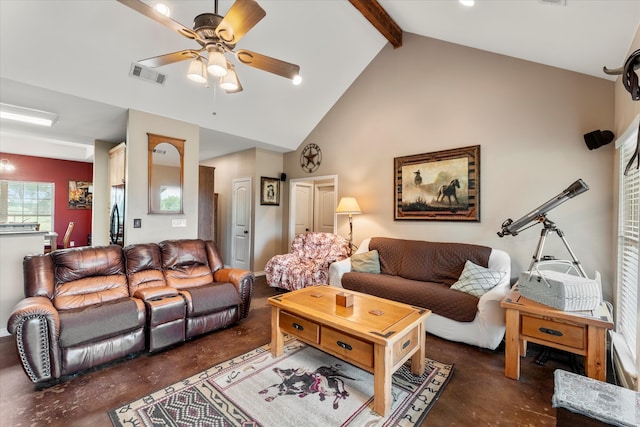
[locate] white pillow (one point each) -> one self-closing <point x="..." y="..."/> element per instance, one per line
<point x="477" y="280"/>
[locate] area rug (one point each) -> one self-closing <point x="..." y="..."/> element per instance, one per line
<point x="303" y="387"/>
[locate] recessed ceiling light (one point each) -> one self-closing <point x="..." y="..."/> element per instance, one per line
<point x="163" y="9"/>
<point x="467" y="3"/>
<point x="27" y="115"/>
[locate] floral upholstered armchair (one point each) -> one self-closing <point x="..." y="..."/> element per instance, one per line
<point x="309" y="260"/>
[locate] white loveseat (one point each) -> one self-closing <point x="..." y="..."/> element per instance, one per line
<point x="485" y="330"/>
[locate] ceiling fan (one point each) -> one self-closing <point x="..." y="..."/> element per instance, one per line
<point x="217" y="36"/>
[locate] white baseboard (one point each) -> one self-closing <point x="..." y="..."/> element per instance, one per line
<point x="4" y="332"/>
<point x="259" y="273"/>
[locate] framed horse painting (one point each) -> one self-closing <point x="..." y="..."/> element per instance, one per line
<point x="441" y="186"/>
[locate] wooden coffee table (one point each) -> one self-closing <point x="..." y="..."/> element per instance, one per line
<point x="375" y="334"/>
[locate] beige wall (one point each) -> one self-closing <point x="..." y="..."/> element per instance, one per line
<point x="625" y="108"/>
<point x="157" y="227"/>
<point x="529" y="120"/>
<point x="101" y="194"/>
<point x="266" y="220"/>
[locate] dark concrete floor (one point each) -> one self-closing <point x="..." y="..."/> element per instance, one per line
<point x="478" y="393"/>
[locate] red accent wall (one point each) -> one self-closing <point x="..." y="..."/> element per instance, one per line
<point x="60" y="172"/>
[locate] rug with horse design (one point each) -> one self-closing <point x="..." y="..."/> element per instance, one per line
<point x="304" y="386"/>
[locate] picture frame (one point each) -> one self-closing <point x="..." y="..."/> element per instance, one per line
<point x="80" y="195"/>
<point x="438" y="186"/>
<point x="269" y="191"/>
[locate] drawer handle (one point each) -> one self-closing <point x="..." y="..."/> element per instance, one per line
<point x="344" y="345"/>
<point x="406" y="344"/>
<point x="550" y="332"/>
<point x="298" y="326"/>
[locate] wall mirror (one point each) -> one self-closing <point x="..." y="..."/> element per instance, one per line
<point x="166" y="174"/>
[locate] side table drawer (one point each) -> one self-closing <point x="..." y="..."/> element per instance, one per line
<point x="347" y="346"/>
<point x="556" y="332"/>
<point x="299" y="327"/>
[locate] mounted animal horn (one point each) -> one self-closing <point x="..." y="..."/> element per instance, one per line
<point x="629" y="75"/>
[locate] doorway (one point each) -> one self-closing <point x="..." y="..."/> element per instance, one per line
<point x="312" y="205"/>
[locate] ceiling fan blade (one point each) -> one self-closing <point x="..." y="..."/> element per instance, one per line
<point x="241" y="17"/>
<point x="266" y="63"/>
<point x="150" y="12"/>
<point x="169" y="58"/>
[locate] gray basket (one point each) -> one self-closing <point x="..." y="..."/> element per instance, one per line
<point x="561" y="290"/>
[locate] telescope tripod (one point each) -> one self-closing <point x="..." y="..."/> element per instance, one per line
<point x="550" y="226"/>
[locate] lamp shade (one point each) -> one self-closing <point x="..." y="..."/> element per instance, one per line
<point x="217" y="64"/>
<point x="230" y="80"/>
<point x="197" y="71"/>
<point x="348" y="205"/>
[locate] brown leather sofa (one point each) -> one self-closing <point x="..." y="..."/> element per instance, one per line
<point x="90" y="305"/>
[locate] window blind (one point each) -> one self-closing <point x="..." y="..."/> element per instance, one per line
<point x="628" y="275"/>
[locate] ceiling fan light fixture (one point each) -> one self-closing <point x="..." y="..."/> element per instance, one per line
<point x="217" y="64"/>
<point x="197" y="71"/>
<point x="297" y="79"/>
<point x="468" y="3"/>
<point x="230" y="80"/>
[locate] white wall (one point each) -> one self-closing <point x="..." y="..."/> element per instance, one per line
<point x="529" y="120"/>
<point x="157" y="227"/>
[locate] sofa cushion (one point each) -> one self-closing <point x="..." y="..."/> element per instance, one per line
<point x="437" y="297"/>
<point x="88" y="275"/>
<point x="98" y="321"/>
<point x="366" y="262"/>
<point x="477" y="280"/>
<point x="427" y="261"/>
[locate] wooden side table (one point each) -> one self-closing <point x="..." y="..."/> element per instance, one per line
<point x="580" y="332"/>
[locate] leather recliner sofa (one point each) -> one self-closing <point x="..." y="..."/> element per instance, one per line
<point x="87" y="306"/>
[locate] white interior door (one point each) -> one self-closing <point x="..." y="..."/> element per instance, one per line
<point x="303" y="208"/>
<point x="241" y="226"/>
<point x="324" y="208"/>
<point x="312" y="205"/>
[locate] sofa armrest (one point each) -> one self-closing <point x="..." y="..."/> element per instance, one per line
<point x="156" y="292"/>
<point x="337" y="269"/>
<point x="489" y="308"/>
<point x="35" y="324"/>
<point x="243" y="281"/>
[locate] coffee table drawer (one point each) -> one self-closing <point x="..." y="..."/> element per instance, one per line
<point x="347" y="346"/>
<point x="405" y="345"/>
<point x="554" y="331"/>
<point x="299" y="327"/>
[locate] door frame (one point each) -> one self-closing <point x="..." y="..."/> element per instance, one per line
<point x="292" y="201"/>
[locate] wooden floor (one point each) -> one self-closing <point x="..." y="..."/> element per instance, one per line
<point x="478" y="393"/>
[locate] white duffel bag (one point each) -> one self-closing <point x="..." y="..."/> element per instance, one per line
<point x="561" y="289"/>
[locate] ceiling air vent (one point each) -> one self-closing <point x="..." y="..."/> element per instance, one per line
<point x="554" y="2"/>
<point x="141" y="72"/>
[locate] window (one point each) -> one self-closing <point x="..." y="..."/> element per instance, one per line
<point x="23" y="201"/>
<point x="626" y="339"/>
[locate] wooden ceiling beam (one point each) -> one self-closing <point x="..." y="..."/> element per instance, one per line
<point x="380" y="19"/>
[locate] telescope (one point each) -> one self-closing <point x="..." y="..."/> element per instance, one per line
<point x="539" y="214"/>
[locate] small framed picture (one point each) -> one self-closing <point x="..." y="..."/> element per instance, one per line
<point x="80" y="195"/>
<point x="269" y="191"/>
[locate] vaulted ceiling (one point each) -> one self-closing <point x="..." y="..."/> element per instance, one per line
<point x="73" y="58"/>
